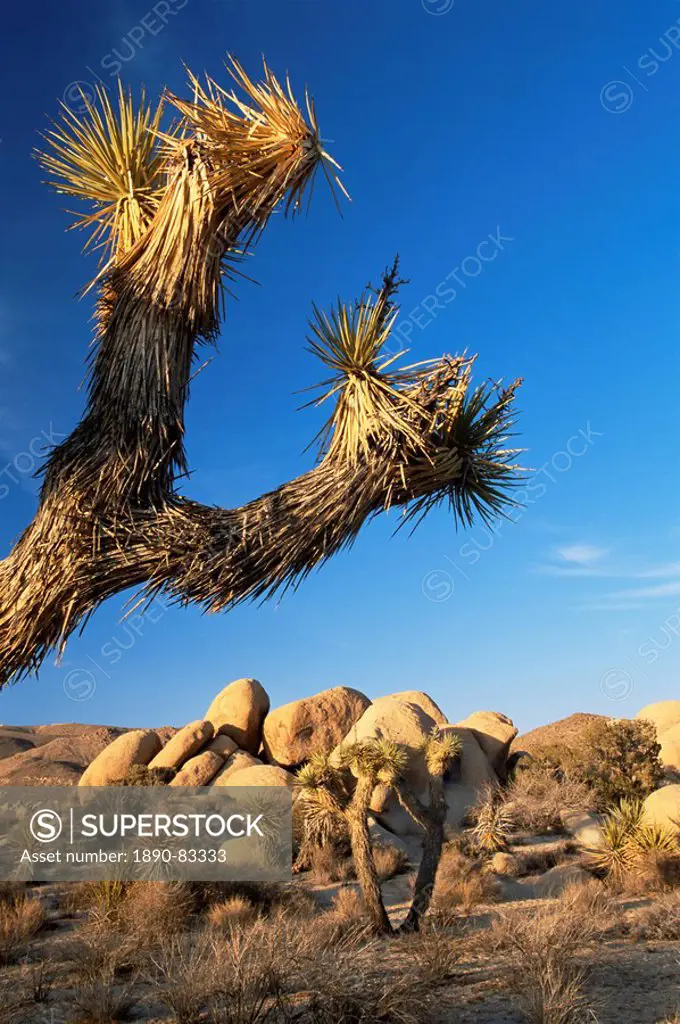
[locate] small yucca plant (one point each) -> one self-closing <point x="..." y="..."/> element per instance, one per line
<point x="494" y="827"/>
<point x="615" y="855"/>
<point x="626" y="838"/>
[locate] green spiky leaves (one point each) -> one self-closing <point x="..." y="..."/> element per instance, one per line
<point x="443" y="440"/>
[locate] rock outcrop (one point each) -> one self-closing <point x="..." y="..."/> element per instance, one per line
<point x="236" y="762"/>
<point x="183" y="745"/>
<point x="262" y="775"/>
<point x="662" y="808"/>
<point x="494" y="732"/>
<point x="664" y="715"/>
<point x="139" y="746"/>
<point x="239" y="711"/>
<point x="199" y="770"/>
<point x="295" y="731"/>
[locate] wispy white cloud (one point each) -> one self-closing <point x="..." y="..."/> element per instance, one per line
<point x="611" y="606"/>
<point x="584" y="560"/>
<point x="583" y="554"/>
<point x="661" y="590"/>
<point x="665" y="570"/>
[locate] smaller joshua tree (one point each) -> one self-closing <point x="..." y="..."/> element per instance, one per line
<point x="337" y="789"/>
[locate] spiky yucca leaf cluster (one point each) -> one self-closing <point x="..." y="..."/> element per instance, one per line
<point x="493" y="827"/>
<point x="379" y="760"/>
<point x="626" y="838"/>
<point x="263" y="149"/>
<point x="441" y="751"/>
<point x="443" y="439"/>
<point x="112" y="160"/>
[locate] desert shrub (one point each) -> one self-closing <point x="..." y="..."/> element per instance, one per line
<point x="253" y="977"/>
<point x="231" y="913"/>
<point x="389" y="861"/>
<point x="329" y="864"/>
<point x="100" y="950"/>
<point x="244" y="980"/>
<point x="347" y="911"/>
<point x="461" y="884"/>
<point x="20" y="919"/>
<point x="544" y="974"/>
<point x="617" y="759"/>
<point x="151" y="910"/>
<point x="270" y="898"/>
<point x="101" y="899"/>
<point x="142" y="775"/>
<point x="39" y="978"/>
<point x="540" y="791"/>
<point x="622" y="760"/>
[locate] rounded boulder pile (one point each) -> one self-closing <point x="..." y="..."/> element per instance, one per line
<point x="240" y="742"/>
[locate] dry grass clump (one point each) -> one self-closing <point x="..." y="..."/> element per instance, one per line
<point x="150" y="910"/>
<point x="345" y="924"/>
<point x="21" y="917"/>
<point x="102" y="962"/>
<point x="660" y="921"/>
<point x="231" y="913"/>
<point x="354" y="986"/>
<point x="101" y="1001"/>
<point x="269" y="897"/>
<point x="183" y="974"/>
<point x="389" y="861"/>
<point x="539" y="792"/>
<point x="329" y="864"/>
<point x="101" y="950"/>
<point x="433" y="956"/>
<point x="544" y="974"/>
<point x="101" y="899"/>
<point x="461" y="883"/>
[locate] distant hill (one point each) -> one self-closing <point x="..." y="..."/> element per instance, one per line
<point x="567" y="732"/>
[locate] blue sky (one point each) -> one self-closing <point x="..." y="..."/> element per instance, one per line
<point x="553" y="131"/>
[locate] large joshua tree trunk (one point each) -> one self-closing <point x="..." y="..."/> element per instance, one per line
<point x="177" y="215"/>
<point x="364" y="865"/>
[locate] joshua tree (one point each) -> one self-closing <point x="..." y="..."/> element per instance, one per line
<point x="174" y="212"/>
<point x="341" y="786"/>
